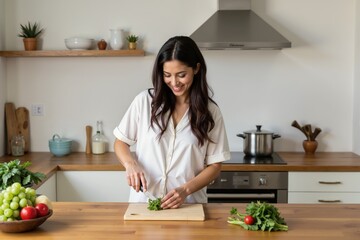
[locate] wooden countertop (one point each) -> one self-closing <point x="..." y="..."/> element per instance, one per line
<point x="296" y="161"/>
<point x="74" y="220"/>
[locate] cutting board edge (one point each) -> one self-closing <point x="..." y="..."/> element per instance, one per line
<point x="131" y="213"/>
<point x="167" y="219"/>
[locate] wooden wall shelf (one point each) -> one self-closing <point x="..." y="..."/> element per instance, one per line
<point x="73" y="53"/>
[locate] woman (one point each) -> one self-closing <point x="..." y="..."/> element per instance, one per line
<point x="178" y="130"/>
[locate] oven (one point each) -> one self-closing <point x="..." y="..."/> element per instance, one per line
<point x="245" y="187"/>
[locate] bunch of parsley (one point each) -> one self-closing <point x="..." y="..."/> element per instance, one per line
<point x="267" y="217"/>
<point x="14" y="171"/>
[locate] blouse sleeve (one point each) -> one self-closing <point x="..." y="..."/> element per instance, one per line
<point x="126" y="131"/>
<point x="218" y="150"/>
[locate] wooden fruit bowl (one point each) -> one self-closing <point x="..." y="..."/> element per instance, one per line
<point x="18" y="226"/>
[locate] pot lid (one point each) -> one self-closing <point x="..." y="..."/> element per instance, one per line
<point x="259" y="131"/>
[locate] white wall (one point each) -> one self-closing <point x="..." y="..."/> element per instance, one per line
<point x="2" y="75"/>
<point x="311" y="82"/>
<point x="356" y="128"/>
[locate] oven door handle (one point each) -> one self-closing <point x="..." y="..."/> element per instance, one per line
<point x="241" y="195"/>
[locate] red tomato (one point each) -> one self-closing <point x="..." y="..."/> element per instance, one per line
<point x="27" y="213"/>
<point x="41" y="209"/>
<point x="249" y="220"/>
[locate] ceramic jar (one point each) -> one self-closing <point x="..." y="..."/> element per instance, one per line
<point x="102" y="44"/>
<point x="116" y="39"/>
<point x="310" y="146"/>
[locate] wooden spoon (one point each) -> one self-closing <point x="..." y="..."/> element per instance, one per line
<point x="308" y="132"/>
<point x="316" y="132"/>
<point x="297" y="125"/>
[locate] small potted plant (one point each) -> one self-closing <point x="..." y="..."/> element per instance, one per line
<point x="14" y="171"/>
<point x="29" y="33"/>
<point x="132" y="39"/>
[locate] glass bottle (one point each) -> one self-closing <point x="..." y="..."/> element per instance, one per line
<point x="99" y="140"/>
<point x="17" y="145"/>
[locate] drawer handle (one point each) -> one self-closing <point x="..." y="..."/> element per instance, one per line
<point x="323" y="182"/>
<point x="329" y="201"/>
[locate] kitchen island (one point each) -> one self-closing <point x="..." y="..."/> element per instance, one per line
<point x="75" y="220"/>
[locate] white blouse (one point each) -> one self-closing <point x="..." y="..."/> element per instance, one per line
<point x="174" y="159"/>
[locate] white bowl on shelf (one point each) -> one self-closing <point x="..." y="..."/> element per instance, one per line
<point x="79" y="43"/>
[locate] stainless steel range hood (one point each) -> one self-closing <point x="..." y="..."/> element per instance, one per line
<point x="235" y="26"/>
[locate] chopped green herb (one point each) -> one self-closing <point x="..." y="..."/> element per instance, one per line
<point x="266" y="216"/>
<point x="154" y="205"/>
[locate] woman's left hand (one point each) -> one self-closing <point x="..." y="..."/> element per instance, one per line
<point x="174" y="199"/>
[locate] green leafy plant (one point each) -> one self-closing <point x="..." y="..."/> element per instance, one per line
<point x="132" y="38"/>
<point x="154" y="205"/>
<point x="31" y="30"/>
<point x="266" y="217"/>
<point x="14" y="171"/>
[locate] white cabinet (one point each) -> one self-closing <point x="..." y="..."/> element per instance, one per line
<point x="48" y="188"/>
<point x="92" y="186"/>
<point x="324" y="187"/>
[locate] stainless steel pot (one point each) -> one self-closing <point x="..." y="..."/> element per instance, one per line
<point x="258" y="142"/>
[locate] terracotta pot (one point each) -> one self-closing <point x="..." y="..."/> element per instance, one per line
<point x="102" y="44"/>
<point x="310" y="146"/>
<point x="132" y="45"/>
<point x="30" y="44"/>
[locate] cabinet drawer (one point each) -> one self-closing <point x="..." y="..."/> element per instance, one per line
<point x="331" y="197"/>
<point x="324" y="181"/>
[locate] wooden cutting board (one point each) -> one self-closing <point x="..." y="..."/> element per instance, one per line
<point x="187" y="212"/>
<point x="11" y="124"/>
<point x="23" y="120"/>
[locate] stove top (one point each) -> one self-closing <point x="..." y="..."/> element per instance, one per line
<point x="241" y="158"/>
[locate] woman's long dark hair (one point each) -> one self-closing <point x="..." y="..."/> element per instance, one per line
<point x="185" y="50"/>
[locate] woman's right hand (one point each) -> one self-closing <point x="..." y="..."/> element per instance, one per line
<point x="135" y="176"/>
<point x="134" y="173"/>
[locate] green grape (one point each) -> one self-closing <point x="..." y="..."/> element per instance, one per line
<point x="1" y="211"/>
<point x="16" y="213"/>
<point x="22" y="195"/>
<point x="10" y="219"/>
<point x="15" y="199"/>
<point x="16" y="185"/>
<point x="23" y="202"/>
<point x="8" y="196"/>
<point x="29" y="203"/>
<point x="32" y="192"/>
<point x="22" y="189"/>
<point x="8" y="212"/>
<point x="14" y="205"/>
<point x="3" y="218"/>
<point x="5" y="206"/>
<point x="15" y="191"/>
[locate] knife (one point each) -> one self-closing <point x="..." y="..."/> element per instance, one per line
<point x="147" y="194"/>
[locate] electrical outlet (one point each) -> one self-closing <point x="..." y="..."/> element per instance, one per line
<point x="37" y="110"/>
